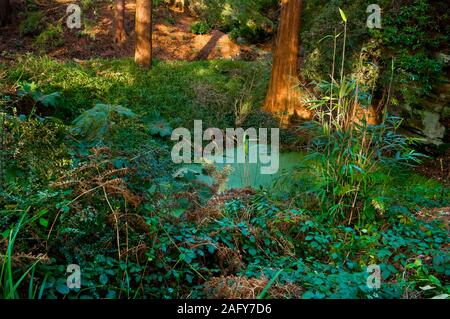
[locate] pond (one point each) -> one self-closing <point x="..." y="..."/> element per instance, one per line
<point x="249" y="174"/>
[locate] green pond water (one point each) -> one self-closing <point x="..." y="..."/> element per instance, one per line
<point x="249" y="174"/>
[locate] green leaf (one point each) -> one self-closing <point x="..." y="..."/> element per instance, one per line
<point x="178" y="212"/>
<point x="6" y="233"/>
<point x="62" y="288"/>
<point x="95" y="123"/>
<point x="50" y="99"/>
<point x="43" y="222"/>
<point x="160" y="127"/>
<point x="343" y="16"/>
<point x="103" y="279"/>
<point x="434" y="280"/>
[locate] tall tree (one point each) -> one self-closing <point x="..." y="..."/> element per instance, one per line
<point x="120" y="35"/>
<point x="143" y="50"/>
<point x="4" y="12"/>
<point x="282" y="98"/>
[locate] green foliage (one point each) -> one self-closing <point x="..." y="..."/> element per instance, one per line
<point x="200" y="27"/>
<point x="34" y="151"/>
<point x="350" y="160"/>
<point x="177" y="91"/>
<point x="110" y="199"/>
<point x="32" y="23"/>
<point x="412" y="34"/>
<point x="86" y="4"/>
<point x="9" y="284"/>
<point x="31" y="90"/>
<point x="160" y="127"/>
<point x="96" y="123"/>
<point x="50" y="37"/>
<point x="251" y="20"/>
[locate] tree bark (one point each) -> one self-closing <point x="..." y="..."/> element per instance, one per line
<point x="4" y="12"/>
<point x="282" y="98"/>
<point x="143" y="50"/>
<point x="120" y="35"/>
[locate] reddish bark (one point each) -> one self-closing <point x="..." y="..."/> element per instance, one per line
<point x="120" y="35"/>
<point x="143" y="50"/>
<point x="282" y="98"/>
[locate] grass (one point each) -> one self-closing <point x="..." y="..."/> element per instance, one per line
<point x="8" y="284"/>
<point x="178" y="91"/>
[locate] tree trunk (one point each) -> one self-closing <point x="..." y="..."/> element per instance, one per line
<point x="282" y="98"/>
<point x="120" y="35"/>
<point x="143" y="50"/>
<point x="4" y="12"/>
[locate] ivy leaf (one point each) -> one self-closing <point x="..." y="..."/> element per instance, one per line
<point x="188" y="259"/>
<point x="211" y="249"/>
<point x="103" y="279"/>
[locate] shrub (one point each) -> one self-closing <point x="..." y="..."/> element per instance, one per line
<point x="200" y="27"/>
<point x="51" y="37"/>
<point x="249" y="19"/>
<point x="32" y="24"/>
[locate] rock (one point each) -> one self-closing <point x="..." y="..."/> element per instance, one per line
<point x="445" y="58"/>
<point x="433" y="130"/>
<point x="430" y="117"/>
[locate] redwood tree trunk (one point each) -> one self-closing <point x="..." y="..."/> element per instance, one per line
<point x="143" y="50"/>
<point x="4" y="12"/>
<point x="120" y="35"/>
<point x="282" y="99"/>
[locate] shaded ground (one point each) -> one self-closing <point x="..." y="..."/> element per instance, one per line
<point x="172" y="39"/>
<point x="437" y="167"/>
<point x="439" y="213"/>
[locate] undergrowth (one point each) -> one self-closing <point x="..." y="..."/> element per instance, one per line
<point x="89" y="181"/>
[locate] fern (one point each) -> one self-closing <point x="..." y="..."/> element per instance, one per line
<point x="97" y="122"/>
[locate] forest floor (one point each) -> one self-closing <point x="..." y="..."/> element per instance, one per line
<point x="172" y="36"/>
<point x="172" y="40"/>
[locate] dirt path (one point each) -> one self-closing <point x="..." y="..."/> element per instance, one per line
<point x="172" y="39"/>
